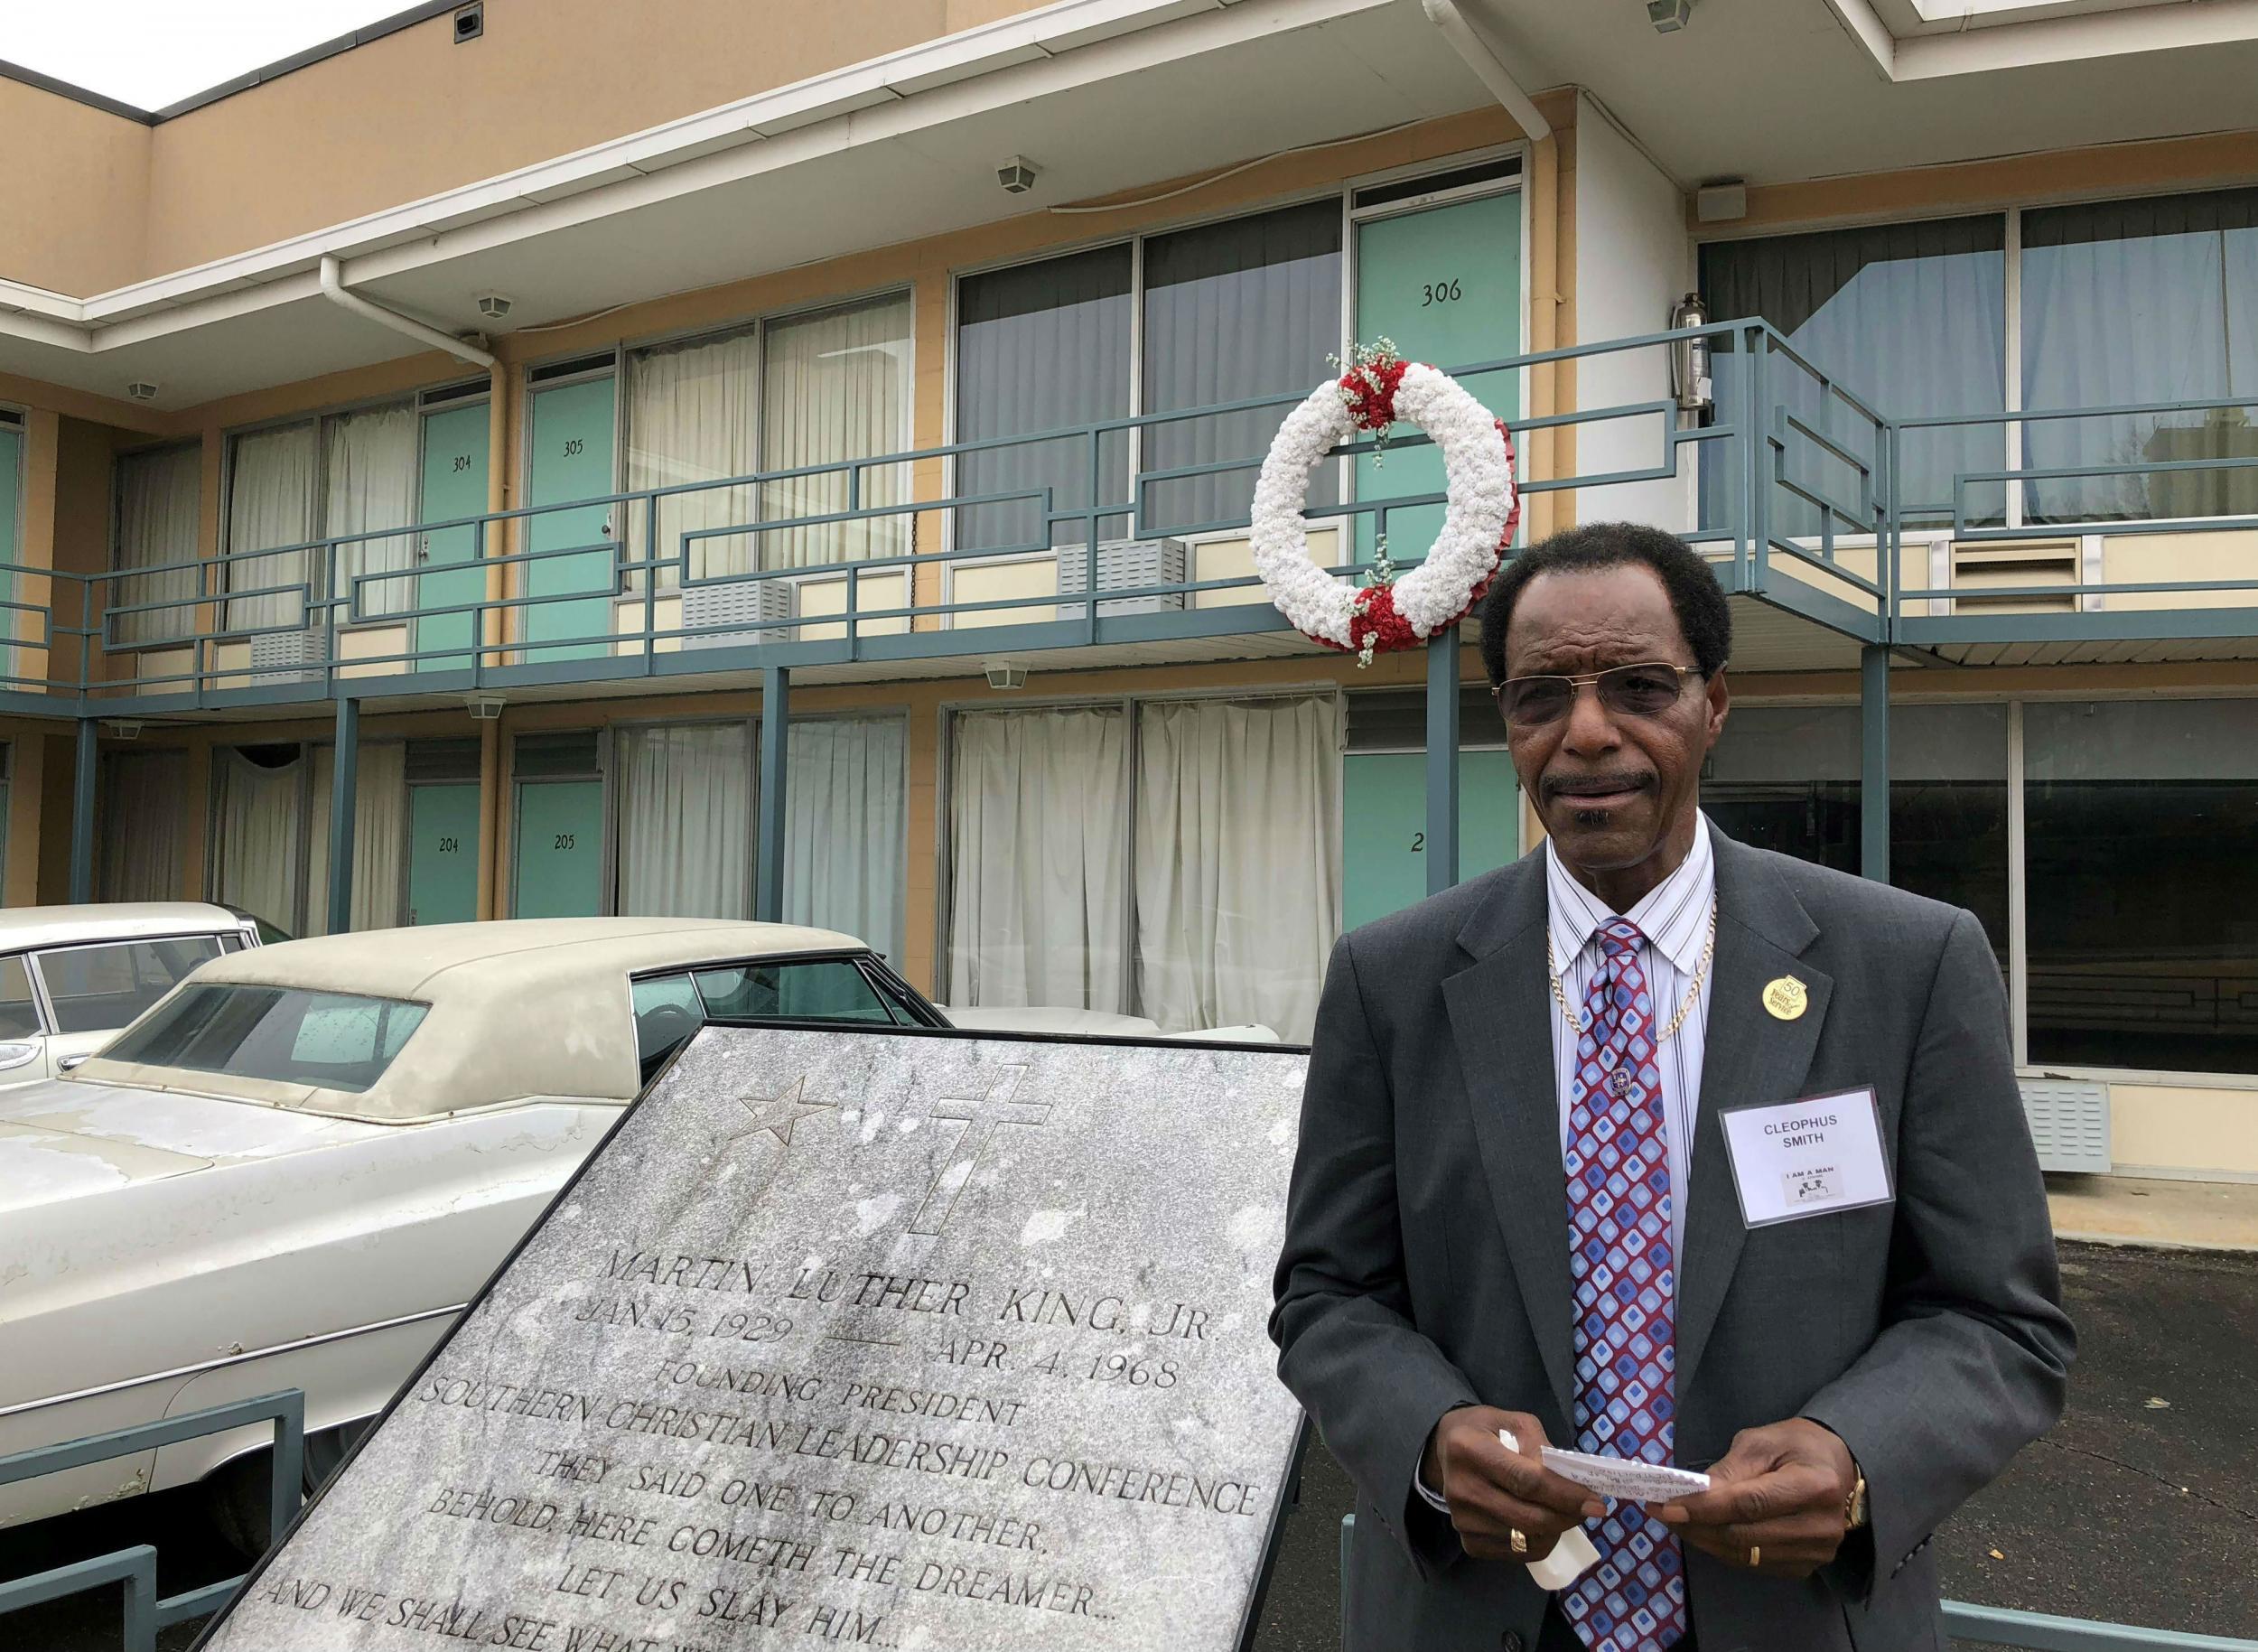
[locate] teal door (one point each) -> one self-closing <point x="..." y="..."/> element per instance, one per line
<point x="1445" y="283"/>
<point x="443" y="859"/>
<point x="560" y="849"/>
<point x="454" y="486"/>
<point x="571" y="440"/>
<point x="1383" y="826"/>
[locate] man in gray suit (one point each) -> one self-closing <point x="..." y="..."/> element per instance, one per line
<point x="1525" y="1105"/>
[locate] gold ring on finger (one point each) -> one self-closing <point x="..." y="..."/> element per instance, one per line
<point x="1756" y="1553"/>
<point x="1520" y="1542"/>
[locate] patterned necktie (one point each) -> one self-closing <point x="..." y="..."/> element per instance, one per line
<point x="1621" y="1263"/>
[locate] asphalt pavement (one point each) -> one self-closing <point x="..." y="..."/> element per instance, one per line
<point x="2141" y="1505"/>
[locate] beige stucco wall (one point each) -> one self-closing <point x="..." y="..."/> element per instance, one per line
<point x="2155" y="1126"/>
<point x="413" y="114"/>
<point x="74" y="196"/>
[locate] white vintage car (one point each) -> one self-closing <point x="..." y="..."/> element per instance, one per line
<point x="70" y="976"/>
<point x="295" y="1171"/>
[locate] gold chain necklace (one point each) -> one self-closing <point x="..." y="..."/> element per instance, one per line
<point x="1579" y="1025"/>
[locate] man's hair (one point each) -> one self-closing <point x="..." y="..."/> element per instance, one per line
<point x="1696" y="597"/>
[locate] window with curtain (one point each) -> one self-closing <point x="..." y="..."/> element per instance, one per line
<point x="835" y="385"/>
<point x="272" y="477"/>
<point x="2139" y="816"/>
<point x="684" y="801"/>
<point x="369" y="482"/>
<point x="1043" y="346"/>
<point x="1910" y="318"/>
<point x="258" y="823"/>
<point x="2138" y="302"/>
<point x="1233" y="310"/>
<point x="1237" y="860"/>
<point x="1039" y="844"/>
<point x="159" y="494"/>
<point x="844" y="823"/>
<point x="379" y="837"/>
<point x="144" y="814"/>
<point x="693" y="417"/>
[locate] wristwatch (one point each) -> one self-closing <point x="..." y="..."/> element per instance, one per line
<point x="1854" y="1505"/>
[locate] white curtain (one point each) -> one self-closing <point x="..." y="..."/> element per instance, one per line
<point x="836" y="386"/>
<point x="685" y="821"/>
<point x="145" y="813"/>
<point x="379" y="837"/>
<point x="255" y="861"/>
<point x="270" y="502"/>
<point x="159" y="497"/>
<point x="692" y="414"/>
<point x="843" y="840"/>
<point x="1239" y="861"/>
<point x="370" y="463"/>
<point x="1038" y="848"/>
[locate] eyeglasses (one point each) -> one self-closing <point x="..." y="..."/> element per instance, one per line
<point x="1645" y="690"/>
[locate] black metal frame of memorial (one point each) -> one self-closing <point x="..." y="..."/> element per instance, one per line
<point x="1285" y="1507"/>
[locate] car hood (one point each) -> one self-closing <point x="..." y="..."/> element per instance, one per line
<point x="68" y="1138"/>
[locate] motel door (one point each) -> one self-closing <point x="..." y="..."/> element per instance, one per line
<point x="443" y="859"/>
<point x="571" y="440"/>
<point x="1445" y="283"/>
<point x="557" y="858"/>
<point x="454" y="487"/>
<point x="1444" y="280"/>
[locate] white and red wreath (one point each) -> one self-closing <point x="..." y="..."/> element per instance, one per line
<point x="1482" y="508"/>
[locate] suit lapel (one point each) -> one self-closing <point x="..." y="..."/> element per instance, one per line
<point x="1500" y="1009"/>
<point x="1750" y="1056"/>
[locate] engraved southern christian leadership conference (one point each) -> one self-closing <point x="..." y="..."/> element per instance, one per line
<point x="1665" y="1165"/>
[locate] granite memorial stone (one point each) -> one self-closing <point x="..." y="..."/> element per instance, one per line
<point x="882" y="1339"/>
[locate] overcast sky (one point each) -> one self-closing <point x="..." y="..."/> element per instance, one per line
<point x="152" y="52"/>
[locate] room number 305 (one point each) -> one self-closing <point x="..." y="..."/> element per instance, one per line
<point x="1441" y="293"/>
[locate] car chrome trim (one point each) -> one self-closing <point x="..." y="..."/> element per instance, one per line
<point x="225" y="1360"/>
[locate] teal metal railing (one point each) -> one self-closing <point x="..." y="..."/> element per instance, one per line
<point x="1805" y="501"/>
<point x="1997" y="1626"/>
<point x="136" y="1566"/>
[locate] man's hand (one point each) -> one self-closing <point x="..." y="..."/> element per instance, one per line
<point x="1494" y="1493"/>
<point x="1778" y="1494"/>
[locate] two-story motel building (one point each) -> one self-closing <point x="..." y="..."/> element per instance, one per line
<point x="557" y="456"/>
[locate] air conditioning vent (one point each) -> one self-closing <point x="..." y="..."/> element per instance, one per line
<point x="734" y="603"/>
<point x="1125" y="565"/>
<point x="279" y="657"/>
<point x="2017" y="566"/>
<point x="2069" y="1124"/>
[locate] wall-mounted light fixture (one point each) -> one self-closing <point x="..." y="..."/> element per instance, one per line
<point x="1004" y="673"/>
<point x="1669" y="16"/>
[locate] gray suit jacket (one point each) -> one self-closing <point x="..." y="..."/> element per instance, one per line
<point x="1426" y="1254"/>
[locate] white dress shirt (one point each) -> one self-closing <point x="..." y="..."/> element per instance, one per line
<point x="1674" y="916"/>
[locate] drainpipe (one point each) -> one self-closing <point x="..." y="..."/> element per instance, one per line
<point x="1455" y="28"/>
<point x="334" y="289"/>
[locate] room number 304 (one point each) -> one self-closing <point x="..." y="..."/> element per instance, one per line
<point x="1441" y="293"/>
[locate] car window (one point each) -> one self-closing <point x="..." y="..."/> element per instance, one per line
<point x="667" y="1012"/>
<point x="828" y="989"/>
<point x="333" y="1040"/>
<point x="93" y="989"/>
<point x="19" y="1015"/>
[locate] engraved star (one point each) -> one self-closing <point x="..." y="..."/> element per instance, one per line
<point x="778" y="1113"/>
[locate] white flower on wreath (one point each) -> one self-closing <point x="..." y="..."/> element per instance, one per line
<point x="1482" y="507"/>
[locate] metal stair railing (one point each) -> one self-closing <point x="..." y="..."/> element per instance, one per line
<point x="136" y="1566"/>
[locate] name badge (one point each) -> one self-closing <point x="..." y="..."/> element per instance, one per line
<point x="1812" y="1157"/>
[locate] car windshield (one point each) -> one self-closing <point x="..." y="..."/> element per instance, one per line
<point x="94" y="988"/>
<point x="332" y="1040"/>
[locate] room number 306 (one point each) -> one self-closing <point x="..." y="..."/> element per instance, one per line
<point x="1441" y="293"/>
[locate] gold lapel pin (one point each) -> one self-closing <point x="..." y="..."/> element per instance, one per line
<point x="1785" y="997"/>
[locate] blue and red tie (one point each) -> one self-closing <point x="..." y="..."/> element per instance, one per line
<point x="1623" y="1265"/>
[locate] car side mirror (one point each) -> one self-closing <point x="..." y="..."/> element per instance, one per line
<point x="72" y="1064"/>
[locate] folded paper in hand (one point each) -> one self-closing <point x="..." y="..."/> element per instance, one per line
<point x="1623" y="1478"/>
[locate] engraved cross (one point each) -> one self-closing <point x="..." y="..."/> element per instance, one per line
<point x="1000" y="1106"/>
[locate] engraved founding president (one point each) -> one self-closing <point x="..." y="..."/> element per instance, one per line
<point x="1518" y="1203"/>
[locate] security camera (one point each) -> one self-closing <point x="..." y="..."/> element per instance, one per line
<point x="1017" y="174"/>
<point x="493" y="306"/>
